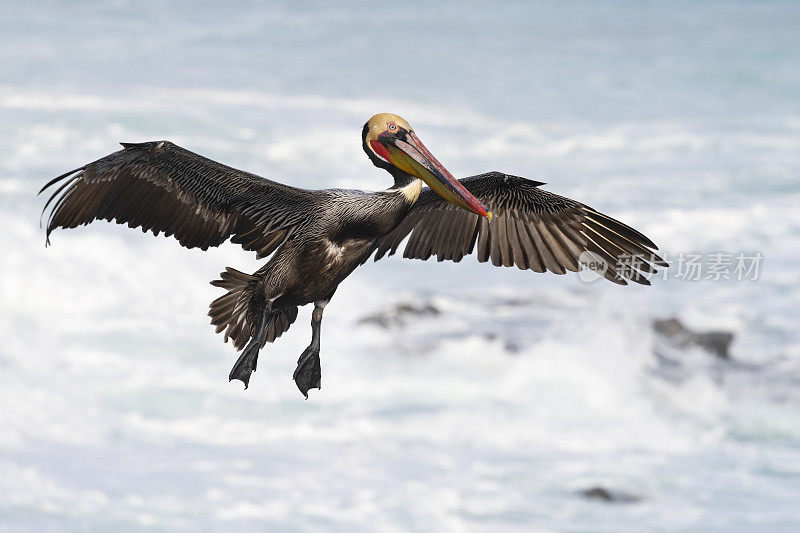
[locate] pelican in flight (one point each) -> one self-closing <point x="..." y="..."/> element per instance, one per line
<point x="316" y="238"/>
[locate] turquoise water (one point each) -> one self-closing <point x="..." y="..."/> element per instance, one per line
<point x="681" y="119"/>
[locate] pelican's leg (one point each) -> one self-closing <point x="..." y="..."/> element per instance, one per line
<point x="308" y="374"/>
<point x="246" y="364"/>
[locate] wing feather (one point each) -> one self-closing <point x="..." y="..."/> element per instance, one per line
<point x="517" y="248"/>
<point x="547" y="255"/>
<point x="506" y="247"/>
<point x="534" y="260"/>
<point x="483" y="241"/>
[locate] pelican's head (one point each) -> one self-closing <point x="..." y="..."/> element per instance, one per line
<point x="391" y="144"/>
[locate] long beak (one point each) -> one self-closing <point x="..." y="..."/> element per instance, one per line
<point x="411" y="156"/>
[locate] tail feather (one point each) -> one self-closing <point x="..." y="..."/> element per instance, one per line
<point x="237" y="311"/>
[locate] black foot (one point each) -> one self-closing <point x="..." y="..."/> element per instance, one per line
<point x="308" y="374"/>
<point x="246" y="364"/>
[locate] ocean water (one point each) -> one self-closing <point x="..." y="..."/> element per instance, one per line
<point x="681" y="119"/>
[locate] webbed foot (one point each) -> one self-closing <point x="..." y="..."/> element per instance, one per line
<point x="308" y="374"/>
<point x="246" y="364"/>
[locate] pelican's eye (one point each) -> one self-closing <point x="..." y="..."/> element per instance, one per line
<point x="392" y="127"/>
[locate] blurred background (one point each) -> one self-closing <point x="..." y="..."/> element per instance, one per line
<point x="455" y="396"/>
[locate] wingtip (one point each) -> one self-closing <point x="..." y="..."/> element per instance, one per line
<point x="59" y="178"/>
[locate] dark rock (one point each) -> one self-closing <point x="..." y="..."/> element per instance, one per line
<point x="512" y="346"/>
<point x="400" y="314"/>
<point x="714" y="342"/>
<point x="512" y="302"/>
<point x="610" y="496"/>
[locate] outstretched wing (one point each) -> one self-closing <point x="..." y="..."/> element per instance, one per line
<point x="161" y="187"/>
<point x="530" y="228"/>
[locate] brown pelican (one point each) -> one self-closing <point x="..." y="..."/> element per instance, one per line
<point x="317" y="238"/>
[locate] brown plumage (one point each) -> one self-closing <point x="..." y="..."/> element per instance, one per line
<point x="317" y="238"/>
